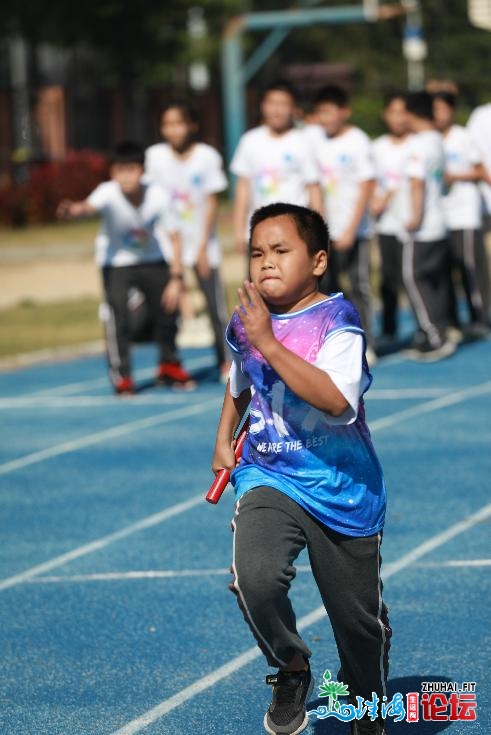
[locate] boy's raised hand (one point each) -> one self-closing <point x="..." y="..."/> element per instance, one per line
<point x="255" y="316"/>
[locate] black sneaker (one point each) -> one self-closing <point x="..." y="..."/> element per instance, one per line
<point x="366" y="726"/>
<point x="286" y="714"/>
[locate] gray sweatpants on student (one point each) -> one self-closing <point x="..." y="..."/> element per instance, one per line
<point x="212" y="289"/>
<point x="270" y="530"/>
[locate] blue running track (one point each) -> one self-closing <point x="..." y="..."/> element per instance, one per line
<point x="114" y="610"/>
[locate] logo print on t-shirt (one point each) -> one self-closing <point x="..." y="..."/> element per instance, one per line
<point x="184" y="205"/>
<point x="137" y="238"/>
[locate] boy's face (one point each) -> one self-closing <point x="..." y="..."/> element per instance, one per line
<point x="281" y="268"/>
<point x="128" y="176"/>
<point x="277" y="109"/>
<point x="443" y="113"/>
<point x="332" y="117"/>
<point x="396" y="118"/>
<point x="176" y="128"/>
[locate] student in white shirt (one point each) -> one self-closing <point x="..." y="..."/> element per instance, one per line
<point x="273" y="162"/>
<point x="391" y="196"/>
<point x="426" y="258"/>
<point x="347" y="176"/>
<point x="462" y="207"/>
<point x="192" y="172"/>
<point x="479" y="125"/>
<point x="129" y="250"/>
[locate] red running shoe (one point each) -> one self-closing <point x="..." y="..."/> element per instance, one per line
<point x="173" y="374"/>
<point x="125" y="387"/>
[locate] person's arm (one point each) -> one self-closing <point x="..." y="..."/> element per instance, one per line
<point x="348" y="237"/>
<point x="67" y="208"/>
<point x="233" y="410"/>
<point x="380" y="201"/>
<point x="417" y="198"/>
<point x="316" y="200"/>
<point x="241" y="211"/>
<point x="308" y="382"/>
<point x="473" y="174"/>
<point x="172" y="292"/>
<point x="211" y="208"/>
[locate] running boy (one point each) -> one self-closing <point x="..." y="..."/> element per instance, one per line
<point x="193" y="174"/>
<point x="388" y="205"/>
<point x="426" y="258"/>
<point x="309" y="476"/>
<point x="462" y="208"/>
<point x="273" y="162"/>
<point x="347" y="176"/>
<point x="129" y="251"/>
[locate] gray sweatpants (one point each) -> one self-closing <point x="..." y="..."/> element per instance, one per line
<point x="270" y="530"/>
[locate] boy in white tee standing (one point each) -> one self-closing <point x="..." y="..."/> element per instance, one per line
<point x="192" y="173"/>
<point x="462" y="207"/>
<point x="347" y="175"/>
<point x="129" y="250"/>
<point x="426" y="259"/>
<point x="390" y="199"/>
<point x="273" y="162"/>
<point x="479" y="125"/>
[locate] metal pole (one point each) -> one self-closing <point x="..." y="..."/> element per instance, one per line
<point x="233" y="85"/>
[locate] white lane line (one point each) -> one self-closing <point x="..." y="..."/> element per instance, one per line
<point x="162" y="709"/>
<point x="102" y="542"/>
<point x="223" y="572"/>
<point x="140" y="399"/>
<point x="443" y="402"/>
<point x="106" y="434"/>
<point x="59" y="401"/>
<point x="143" y="373"/>
<point x="401" y="415"/>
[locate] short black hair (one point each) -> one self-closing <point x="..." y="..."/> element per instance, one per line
<point x="420" y="104"/>
<point x="448" y="97"/>
<point x="280" y="85"/>
<point x="185" y="108"/>
<point x="394" y="94"/>
<point x="311" y="226"/>
<point x="128" y="151"/>
<point x="332" y="93"/>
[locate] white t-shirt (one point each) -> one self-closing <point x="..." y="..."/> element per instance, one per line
<point x="130" y="235"/>
<point x="390" y="156"/>
<point x="189" y="182"/>
<point x="462" y="202"/>
<point x="279" y="167"/>
<point x="345" y="161"/>
<point x="314" y="134"/>
<point x="479" y="127"/>
<point x="426" y="162"/>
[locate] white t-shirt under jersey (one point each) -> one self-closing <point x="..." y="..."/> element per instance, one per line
<point x="130" y="235"/>
<point x="390" y="156"/>
<point x="462" y="202"/>
<point x="189" y="182"/>
<point x="345" y="161"/>
<point x="426" y="162"/>
<point x="279" y="167"/>
<point x="479" y="127"/>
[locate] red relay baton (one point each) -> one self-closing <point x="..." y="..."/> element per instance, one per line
<point x="223" y="476"/>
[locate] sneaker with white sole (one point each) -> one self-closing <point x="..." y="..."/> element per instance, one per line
<point x="287" y="714"/>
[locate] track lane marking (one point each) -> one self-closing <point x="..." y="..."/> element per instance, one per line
<point x="107" y="434"/>
<point x="232" y="666"/>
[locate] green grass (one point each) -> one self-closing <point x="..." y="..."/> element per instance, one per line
<point x="57" y="233"/>
<point x="29" y="326"/>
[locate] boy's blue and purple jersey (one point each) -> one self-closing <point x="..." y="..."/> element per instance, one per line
<point x="329" y="468"/>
